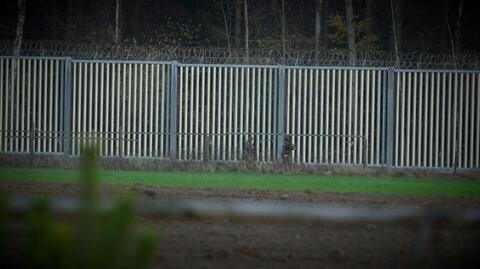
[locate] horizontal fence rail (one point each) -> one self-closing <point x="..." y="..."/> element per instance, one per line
<point x="241" y="113"/>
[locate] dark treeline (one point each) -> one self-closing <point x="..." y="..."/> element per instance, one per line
<point x="439" y="26"/>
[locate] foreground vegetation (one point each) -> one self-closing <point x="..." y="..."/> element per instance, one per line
<point x="324" y="183"/>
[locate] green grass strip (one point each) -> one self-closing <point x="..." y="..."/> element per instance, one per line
<point x="324" y="183"/>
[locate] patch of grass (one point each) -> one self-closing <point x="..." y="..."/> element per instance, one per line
<point x="325" y="183"/>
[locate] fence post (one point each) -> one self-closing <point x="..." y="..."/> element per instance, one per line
<point x="281" y="112"/>
<point x="67" y="107"/>
<point x="173" y="111"/>
<point x="390" y="116"/>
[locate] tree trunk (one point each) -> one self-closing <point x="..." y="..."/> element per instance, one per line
<point x="227" y="31"/>
<point x="318" y="24"/>
<point x="247" y="53"/>
<point x="19" y="31"/>
<point x="458" y="29"/>
<point x="369" y="16"/>
<point x="118" y="27"/>
<point x="326" y="17"/>
<point x="350" y="31"/>
<point x="394" y="30"/>
<point x="238" y="23"/>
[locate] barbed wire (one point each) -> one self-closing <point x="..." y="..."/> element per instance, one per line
<point x="270" y="56"/>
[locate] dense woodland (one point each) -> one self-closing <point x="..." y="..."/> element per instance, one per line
<point x="438" y="26"/>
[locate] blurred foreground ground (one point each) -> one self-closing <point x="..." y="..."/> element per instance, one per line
<point x="220" y="244"/>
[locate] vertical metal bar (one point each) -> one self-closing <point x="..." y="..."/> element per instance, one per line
<point x="181" y="113"/>
<point x="460" y="123"/>
<point x="50" y="107"/>
<point x="109" y="116"/>
<point x="242" y="92"/>
<point x="425" y="120"/>
<point x="343" y="103"/>
<point x="258" y="112"/>
<point x="113" y="89"/>
<point x="2" y="106"/>
<point x="409" y="121"/>
<point x="8" y="104"/>
<point x="164" y="149"/>
<point x="354" y="117"/>
<point x="173" y="111"/>
<point x="413" y="120"/>
<point x="390" y="117"/>
<point x="449" y="121"/>
<point x="235" y="116"/>
<point x="420" y="120"/>
<point x="254" y="101"/>
<point x="295" y="121"/>
<point x="317" y="117"/>
<point x="281" y="112"/>
<point x="325" y="109"/>
<point x="22" y="110"/>
<point x="397" y="121"/>
<point x="465" y="121"/>
<point x="310" y="116"/>
<point x="368" y="111"/>
<point x="230" y="114"/>
<point x="341" y="99"/>
<point x="225" y="123"/>
<point x="144" y="100"/>
<point x="17" y="104"/>
<point x="67" y="129"/>
<point x="380" y="127"/>
<point x="151" y="113"/>
<point x="214" y="116"/>
<point x="86" y="96"/>
<point x="28" y="108"/>
<point x="141" y="122"/>
<point x="288" y="99"/>
<point x="219" y="109"/>
<point x="402" y="126"/>
<point x="57" y="104"/>
<point x="297" y="111"/>
<point x="442" y="120"/>
<point x="264" y="112"/>
<point x="478" y="121"/>
<point x="268" y="115"/>
<point x="455" y="127"/>
<point x="333" y="131"/>
<point x="208" y="129"/>
<point x="304" y="121"/>
<point x="158" y="111"/>
<point x="361" y="115"/>
<point x="472" y="123"/>
<point x="202" y="114"/>
<point x="45" y="105"/>
<point x="432" y="137"/>
<point x="117" y="109"/>
<point x="197" y="110"/>
<point x="100" y="100"/>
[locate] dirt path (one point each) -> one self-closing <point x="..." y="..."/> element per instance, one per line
<point x="225" y="243"/>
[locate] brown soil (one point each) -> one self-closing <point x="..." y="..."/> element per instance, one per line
<point x="226" y="243"/>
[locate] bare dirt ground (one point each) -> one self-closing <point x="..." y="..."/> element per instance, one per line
<point x="233" y="244"/>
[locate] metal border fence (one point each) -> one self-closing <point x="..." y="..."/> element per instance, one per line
<point x="233" y="113"/>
